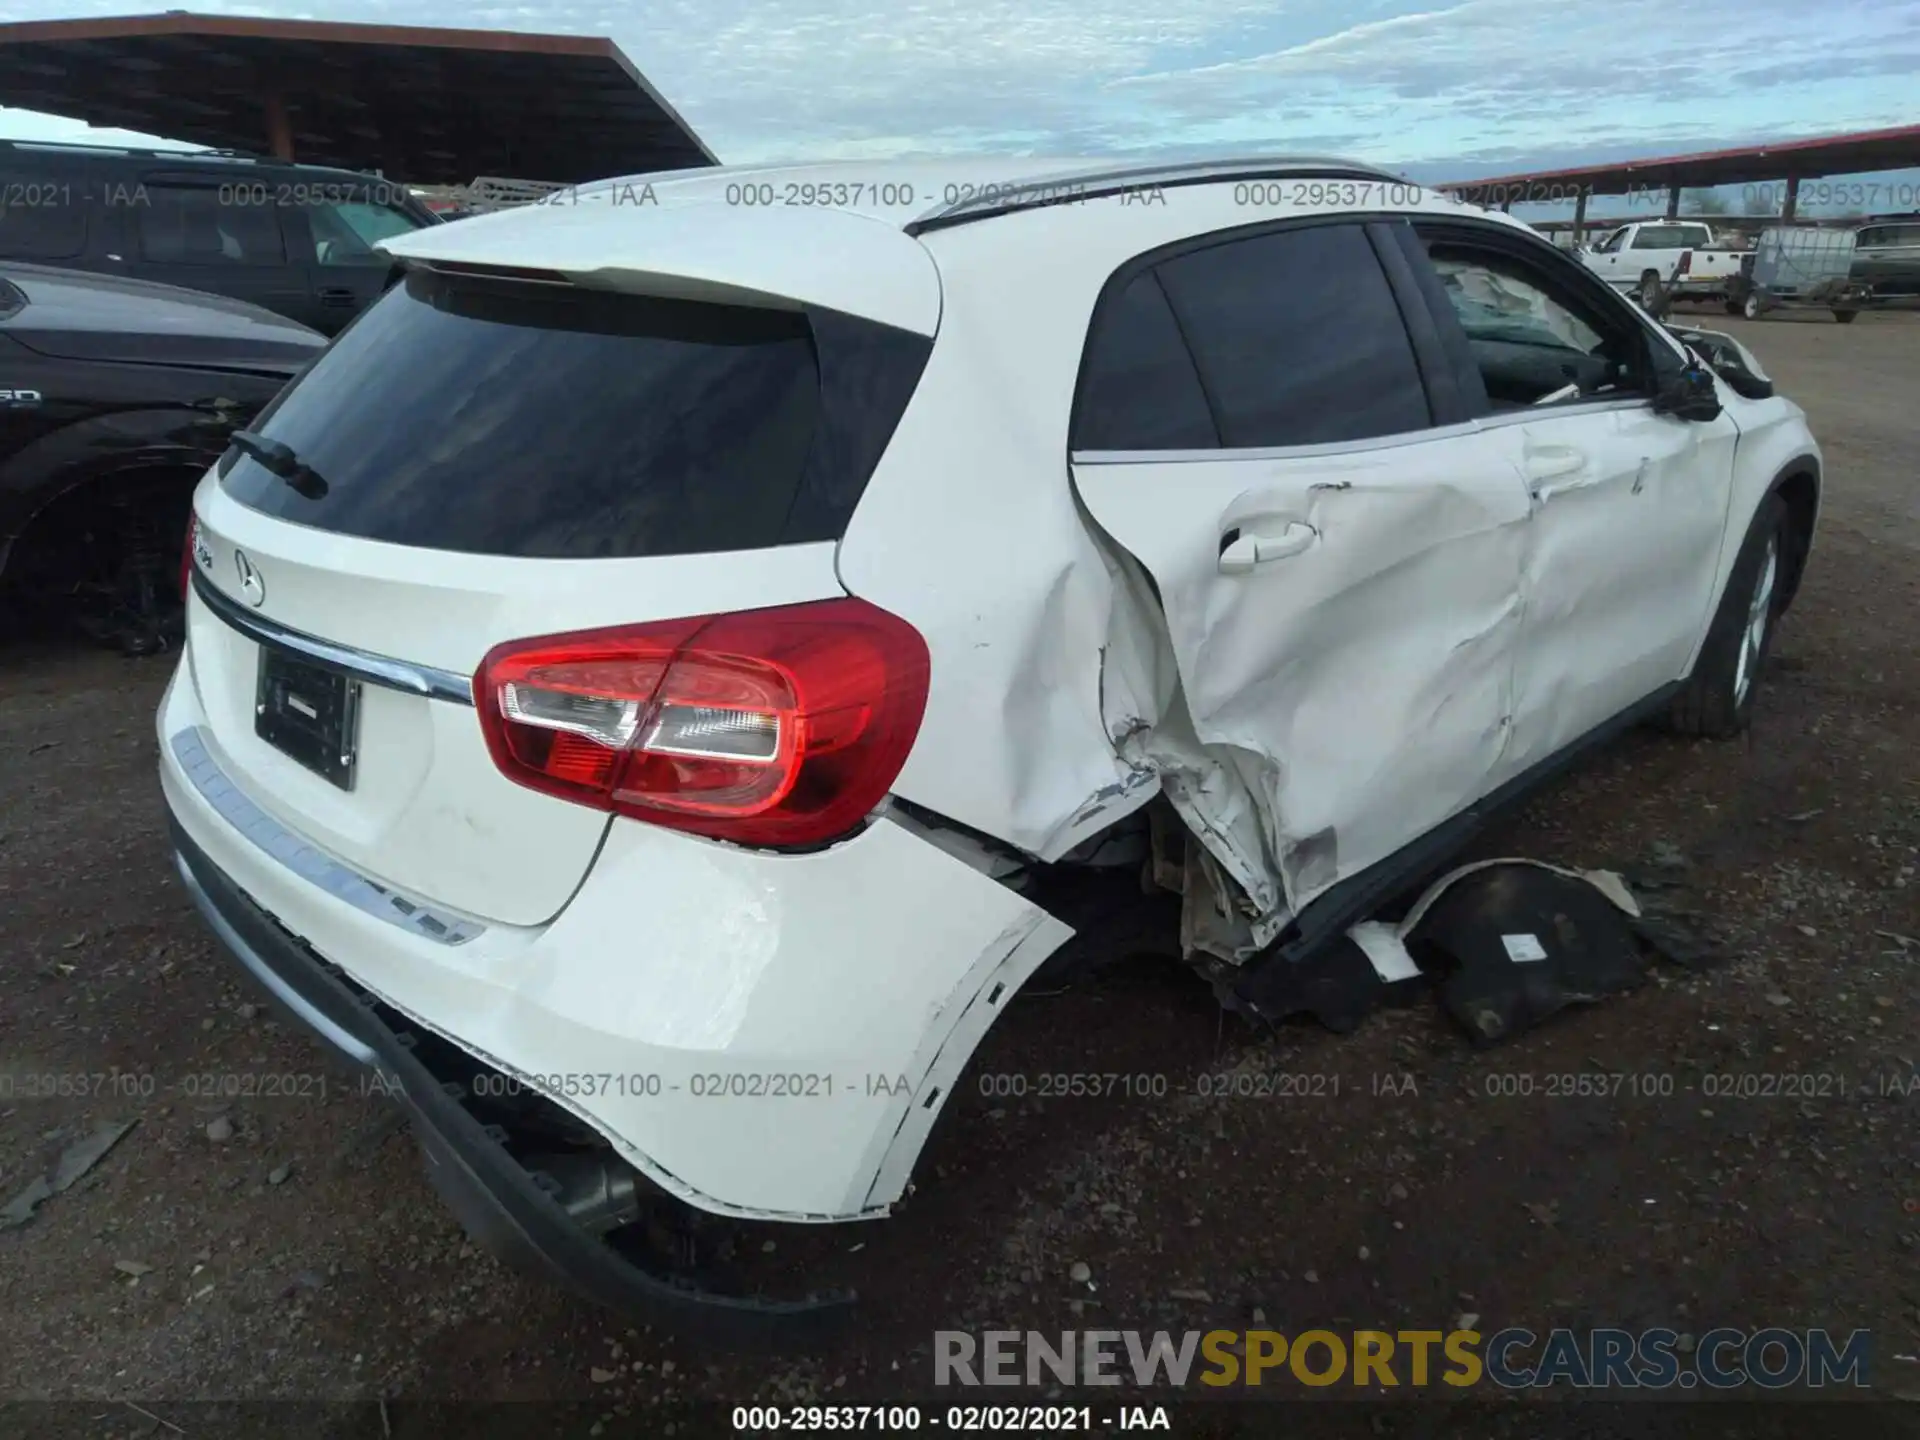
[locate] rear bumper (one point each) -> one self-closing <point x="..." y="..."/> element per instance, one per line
<point x="494" y="1197"/>
<point x="757" y="1036"/>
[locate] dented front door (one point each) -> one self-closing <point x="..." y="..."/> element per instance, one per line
<point x="1629" y="511"/>
<point x="1344" y="621"/>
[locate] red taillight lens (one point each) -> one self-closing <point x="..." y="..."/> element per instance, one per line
<point x="767" y="727"/>
<point x="186" y="557"/>
<point x="1686" y="263"/>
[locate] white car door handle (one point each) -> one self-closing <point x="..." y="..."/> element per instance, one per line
<point x="1551" y="462"/>
<point x="1242" y="549"/>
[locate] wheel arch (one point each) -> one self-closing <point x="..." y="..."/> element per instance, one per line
<point x="1798" y="484"/>
<point x="100" y="449"/>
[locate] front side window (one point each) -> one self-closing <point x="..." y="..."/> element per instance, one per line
<point x="1535" y="342"/>
<point x="1610" y="244"/>
<point x="1297" y="338"/>
<point x="345" y="233"/>
<point x="191" y="225"/>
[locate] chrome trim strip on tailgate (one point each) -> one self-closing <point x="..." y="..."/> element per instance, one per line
<point x="306" y="860"/>
<point x="381" y="670"/>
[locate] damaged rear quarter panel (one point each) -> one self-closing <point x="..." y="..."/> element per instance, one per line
<point x="969" y="531"/>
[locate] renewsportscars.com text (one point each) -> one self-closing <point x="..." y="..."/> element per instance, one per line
<point x="1515" y="1358"/>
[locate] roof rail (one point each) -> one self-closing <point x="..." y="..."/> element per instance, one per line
<point x="1042" y="191"/>
<point x="147" y="150"/>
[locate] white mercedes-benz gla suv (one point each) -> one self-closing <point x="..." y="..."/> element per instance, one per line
<point x="636" y="676"/>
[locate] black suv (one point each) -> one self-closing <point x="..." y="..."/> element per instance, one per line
<point x="294" y="239"/>
<point x="116" y="396"/>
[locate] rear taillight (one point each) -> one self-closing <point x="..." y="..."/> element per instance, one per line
<point x="1686" y="263"/>
<point x="766" y="727"/>
<point x="186" y="557"/>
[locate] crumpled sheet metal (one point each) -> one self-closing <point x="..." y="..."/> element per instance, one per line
<point x="1285" y="741"/>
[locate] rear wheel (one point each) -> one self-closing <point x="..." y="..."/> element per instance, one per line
<point x="1754" y="306"/>
<point x="1845" y="317"/>
<point x="1717" y="699"/>
<point x="1650" y="292"/>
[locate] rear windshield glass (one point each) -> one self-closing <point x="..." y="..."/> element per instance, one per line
<point x="528" y="420"/>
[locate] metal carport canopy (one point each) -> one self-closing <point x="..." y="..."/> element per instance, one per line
<point x="1861" y="152"/>
<point x="422" y="105"/>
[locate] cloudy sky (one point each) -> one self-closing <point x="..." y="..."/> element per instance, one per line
<point x="1441" y="90"/>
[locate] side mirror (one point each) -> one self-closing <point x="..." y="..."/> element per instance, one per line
<point x="1688" y="394"/>
<point x="1742" y="381"/>
<point x="1727" y="361"/>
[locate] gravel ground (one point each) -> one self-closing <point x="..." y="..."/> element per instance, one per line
<point x="291" y="1249"/>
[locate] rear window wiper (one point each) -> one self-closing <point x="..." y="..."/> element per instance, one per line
<point x="278" y="458"/>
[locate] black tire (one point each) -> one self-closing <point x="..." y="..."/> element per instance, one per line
<point x="1845" y="317"/>
<point x="1713" y="702"/>
<point x="1650" y="292"/>
<point x="1754" y="306"/>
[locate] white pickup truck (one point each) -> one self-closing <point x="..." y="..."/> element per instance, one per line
<point x="1659" y="260"/>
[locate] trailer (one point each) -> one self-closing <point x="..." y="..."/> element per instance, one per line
<point x="488" y="193"/>
<point x="1803" y="267"/>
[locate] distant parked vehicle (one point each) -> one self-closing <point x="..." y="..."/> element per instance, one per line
<point x="295" y="239"/>
<point x="115" y="398"/>
<point x="1660" y="261"/>
<point x="1886" y="257"/>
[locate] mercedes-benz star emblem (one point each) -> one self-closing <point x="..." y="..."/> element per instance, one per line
<point x="251" y="585"/>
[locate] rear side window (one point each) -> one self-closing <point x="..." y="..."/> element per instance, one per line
<point x="42" y="219"/>
<point x="525" y="420"/>
<point x="1298" y="338"/>
<point x="1140" y="390"/>
<point x="193" y="225"/>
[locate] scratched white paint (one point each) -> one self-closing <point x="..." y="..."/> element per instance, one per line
<point x="702" y="966"/>
<point x="1470" y="601"/>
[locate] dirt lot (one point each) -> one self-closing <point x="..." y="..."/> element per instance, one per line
<point x="304" y="1256"/>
